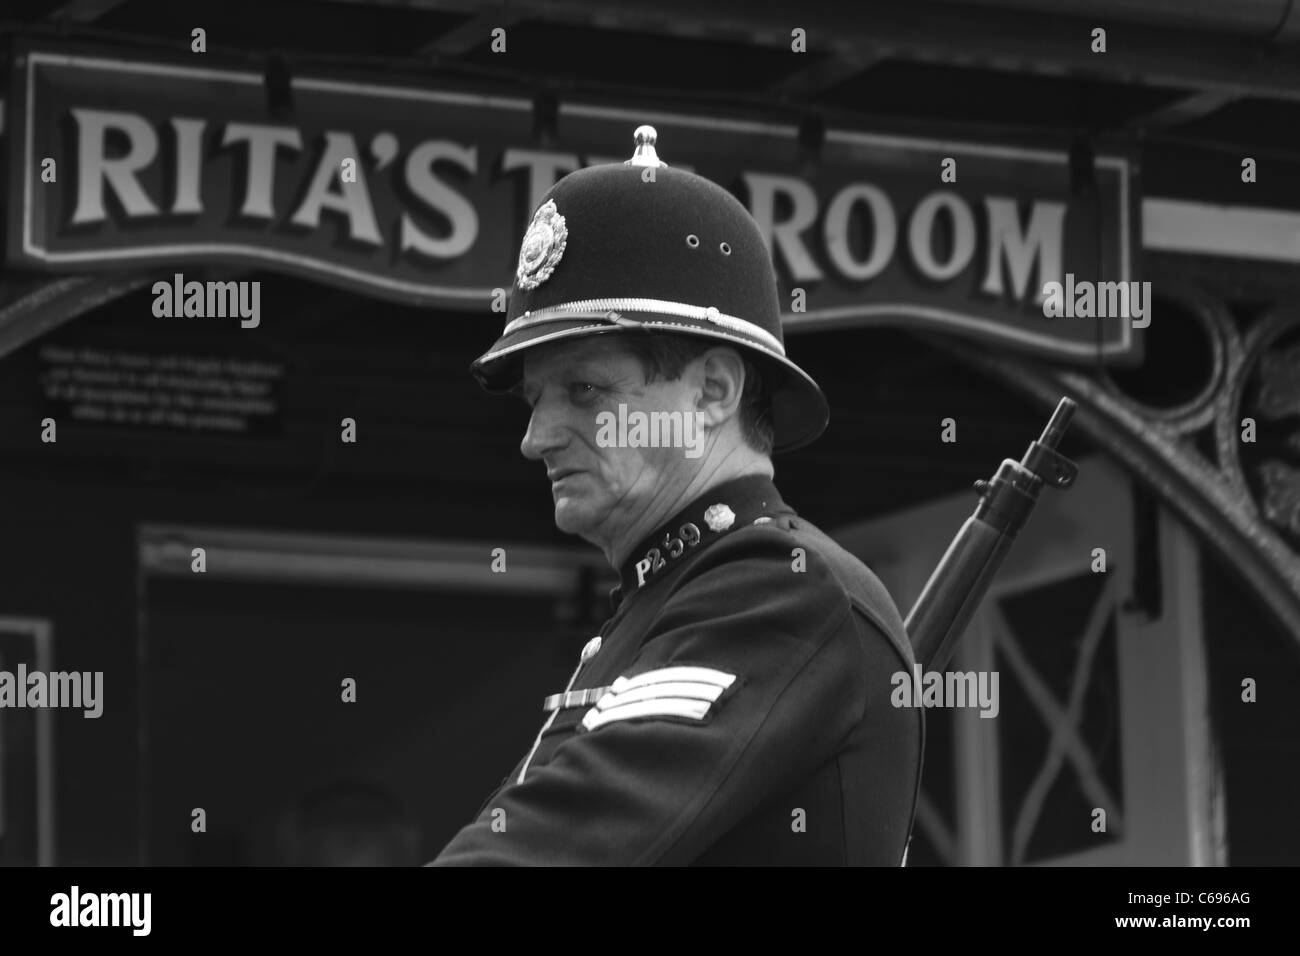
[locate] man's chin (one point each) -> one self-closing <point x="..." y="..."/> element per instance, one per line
<point x="570" y="516"/>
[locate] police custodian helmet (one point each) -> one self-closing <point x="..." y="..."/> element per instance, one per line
<point x="613" y="250"/>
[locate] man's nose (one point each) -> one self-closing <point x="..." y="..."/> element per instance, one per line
<point x="543" y="434"/>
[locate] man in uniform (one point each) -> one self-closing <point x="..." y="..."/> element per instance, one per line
<point x="735" y="709"/>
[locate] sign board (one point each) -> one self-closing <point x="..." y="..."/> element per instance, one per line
<point x="421" y="195"/>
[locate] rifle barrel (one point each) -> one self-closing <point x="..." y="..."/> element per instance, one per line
<point x="962" y="577"/>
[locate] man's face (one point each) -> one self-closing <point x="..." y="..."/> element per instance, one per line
<point x="600" y="491"/>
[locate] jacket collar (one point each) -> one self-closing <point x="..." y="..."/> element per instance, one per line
<point x="724" y="508"/>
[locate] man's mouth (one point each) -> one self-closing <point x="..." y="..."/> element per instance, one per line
<point x="559" y="474"/>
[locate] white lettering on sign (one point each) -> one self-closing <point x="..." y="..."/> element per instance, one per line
<point x="261" y="146"/>
<point x="1030" y="254"/>
<point x="1039" y="245"/>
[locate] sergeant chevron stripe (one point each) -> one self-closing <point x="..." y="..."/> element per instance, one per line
<point x="681" y="691"/>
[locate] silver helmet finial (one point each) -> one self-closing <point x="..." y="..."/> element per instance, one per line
<point x="645" y="154"/>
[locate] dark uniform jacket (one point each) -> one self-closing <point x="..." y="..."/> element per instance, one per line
<point x="734" y="710"/>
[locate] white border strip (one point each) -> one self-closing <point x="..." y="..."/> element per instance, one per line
<point x="1244" y="232"/>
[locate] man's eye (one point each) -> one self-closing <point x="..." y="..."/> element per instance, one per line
<point x="582" y="389"/>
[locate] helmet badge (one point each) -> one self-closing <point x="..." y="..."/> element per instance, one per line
<point x="542" y="247"/>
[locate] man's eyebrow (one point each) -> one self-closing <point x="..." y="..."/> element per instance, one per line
<point x="579" y="367"/>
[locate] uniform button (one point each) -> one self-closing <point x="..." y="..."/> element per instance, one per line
<point x="719" y="517"/>
<point x="592" y="648"/>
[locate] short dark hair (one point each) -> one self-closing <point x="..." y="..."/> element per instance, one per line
<point x="664" y="355"/>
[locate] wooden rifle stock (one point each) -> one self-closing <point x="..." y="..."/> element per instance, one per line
<point x="966" y="570"/>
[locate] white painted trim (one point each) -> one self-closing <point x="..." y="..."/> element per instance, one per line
<point x="1243" y="232"/>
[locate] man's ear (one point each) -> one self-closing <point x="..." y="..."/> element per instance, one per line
<point x="723" y="372"/>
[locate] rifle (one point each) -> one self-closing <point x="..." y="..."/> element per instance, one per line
<point x="966" y="570"/>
